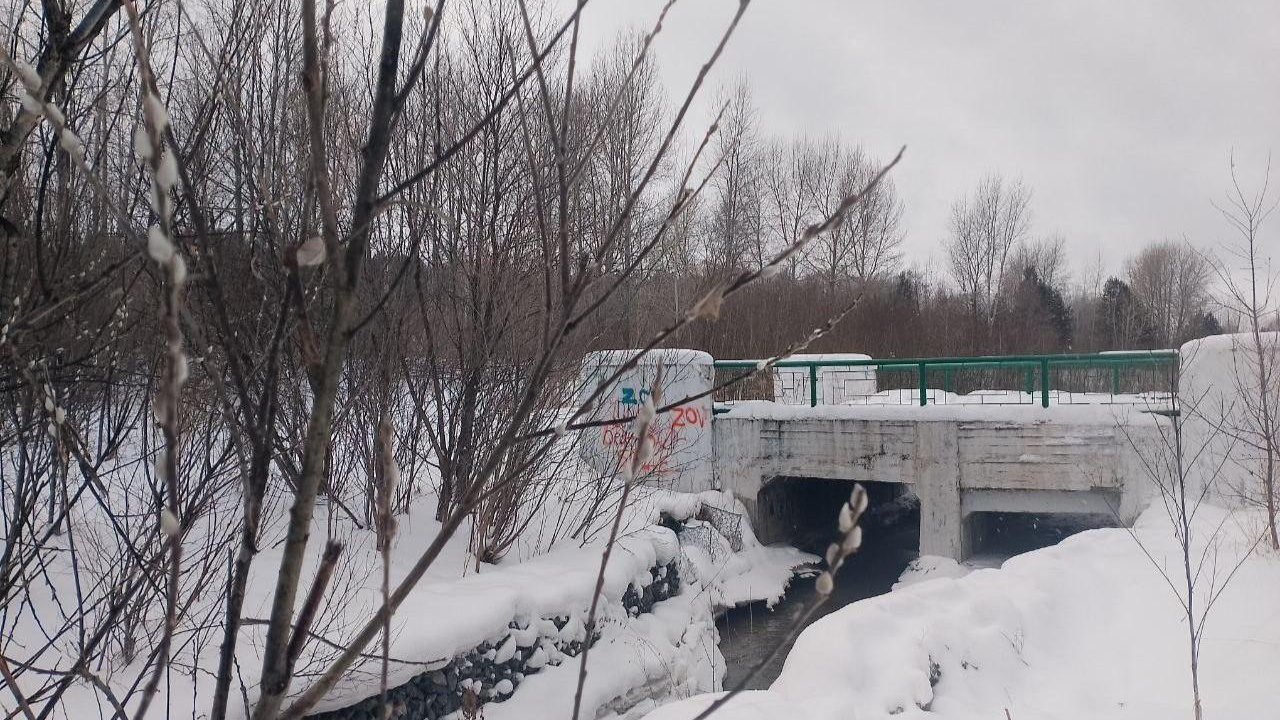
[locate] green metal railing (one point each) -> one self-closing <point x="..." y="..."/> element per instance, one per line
<point x="1121" y="374"/>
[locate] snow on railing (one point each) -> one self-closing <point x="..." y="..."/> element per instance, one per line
<point x="1122" y="377"/>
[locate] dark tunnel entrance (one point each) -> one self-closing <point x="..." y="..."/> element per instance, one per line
<point x="803" y="512"/>
<point x="1000" y="535"/>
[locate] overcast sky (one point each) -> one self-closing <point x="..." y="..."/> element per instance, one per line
<point x="1119" y="114"/>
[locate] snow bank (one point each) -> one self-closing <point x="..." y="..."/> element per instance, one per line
<point x="668" y="654"/>
<point x="479" y="606"/>
<point x="460" y="604"/>
<point x="931" y="567"/>
<point x="1220" y="393"/>
<point x="672" y="653"/>
<point x="639" y="660"/>
<point x="722" y="548"/>
<point x="669" y="357"/>
<point x="1086" y="629"/>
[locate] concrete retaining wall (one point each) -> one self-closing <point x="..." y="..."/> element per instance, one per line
<point x="1221" y="393"/>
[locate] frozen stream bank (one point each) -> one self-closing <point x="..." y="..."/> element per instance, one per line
<point x="748" y="634"/>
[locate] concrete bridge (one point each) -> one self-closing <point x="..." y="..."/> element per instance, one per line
<point x="1064" y="440"/>
<point x="1078" y="461"/>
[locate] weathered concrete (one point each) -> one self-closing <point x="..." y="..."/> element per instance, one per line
<point x="956" y="466"/>
<point x="1060" y="502"/>
<point x="936" y="480"/>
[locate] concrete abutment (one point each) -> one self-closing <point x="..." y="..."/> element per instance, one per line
<point x="955" y="467"/>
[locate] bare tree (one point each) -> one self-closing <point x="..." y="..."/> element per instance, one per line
<point x="395" y="266"/>
<point x="985" y="227"/>
<point x="866" y="245"/>
<point x="1184" y="474"/>
<point x="1171" y="281"/>
<point x="735" y="237"/>
<point x="790" y="177"/>
<point x="1047" y="257"/>
<point x="1247" y="283"/>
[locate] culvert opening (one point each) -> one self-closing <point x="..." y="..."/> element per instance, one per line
<point x="1004" y="534"/>
<point x="803" y="513"/>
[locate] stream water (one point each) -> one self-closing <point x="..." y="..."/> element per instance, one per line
<point x="749" y="633"/>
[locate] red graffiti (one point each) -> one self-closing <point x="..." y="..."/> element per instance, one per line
<point x="665" y="433"/>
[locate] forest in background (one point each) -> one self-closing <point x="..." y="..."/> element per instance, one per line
<point x="274" y="268"/>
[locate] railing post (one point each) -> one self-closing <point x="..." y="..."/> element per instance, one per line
<point x="1115" y="379"/>
<point x="813" y="386"/>
<point x="1044" y="383"/>
<point x="924" y="391"/>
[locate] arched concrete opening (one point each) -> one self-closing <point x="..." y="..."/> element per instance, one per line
<point x="803" y="512"/>
<point x="1004" y="534"/>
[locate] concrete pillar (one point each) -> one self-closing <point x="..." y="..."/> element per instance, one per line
<point x="936" y="467"/>
<point x="682" y="457"/>
<point x="768" y="521"/>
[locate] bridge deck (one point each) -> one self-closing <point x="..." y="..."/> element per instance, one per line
<point x="1012" y="461"/>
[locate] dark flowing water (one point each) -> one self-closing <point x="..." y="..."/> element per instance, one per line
<point x="749" y="633"/>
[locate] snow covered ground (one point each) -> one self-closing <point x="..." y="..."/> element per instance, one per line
<point x="640" y="663"/>
<point x="669" y="653"/>
<point x="1089" y="628"/>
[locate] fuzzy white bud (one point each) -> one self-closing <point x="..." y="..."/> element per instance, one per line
<point x="180" y="370"/>
<point x="155" y="112"/>
<point x="825" y="584"/>
<point x="31" y="104"/>
<point x="178" y="269"/>
<point x="27" y="74"/>
<point x="142" y="143"/>
<point x="55" y="115"/>
<point x="852" y="542"/>
<point x="647" y="411"/>
<point x="158" y="245"/>
<point x="645" y="451"/>
<point x="858" y="499"/>
<point x="708" y="308"/>
<point x="833" y="554"/>
<point x="311" y="252"/>
<point x="169" y="523"/>
<point x="71" y="145"/>
<point x="167" y="172"/>
<point x="846" y="518"/>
